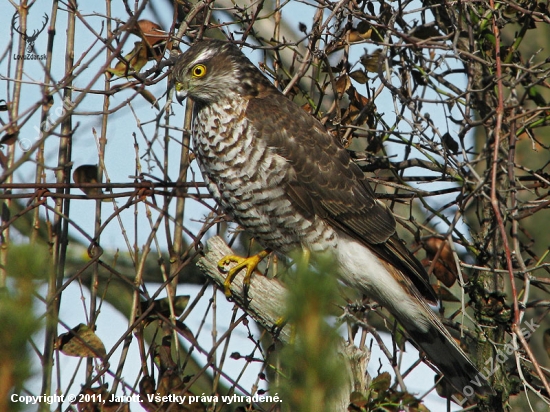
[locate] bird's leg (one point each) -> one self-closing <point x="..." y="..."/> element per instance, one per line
<point x="250" y="263"/>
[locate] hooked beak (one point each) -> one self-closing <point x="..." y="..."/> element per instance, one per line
<point x="181" y="93"/>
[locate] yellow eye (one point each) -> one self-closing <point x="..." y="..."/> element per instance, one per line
<point x="198" y="70"/>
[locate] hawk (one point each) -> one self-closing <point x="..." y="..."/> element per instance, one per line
<point x="277" y="171"/>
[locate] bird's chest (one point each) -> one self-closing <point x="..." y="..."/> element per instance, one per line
<point x="248" y="178"/>
<point x="235" y="161"/>
<point x="222" y="136"/>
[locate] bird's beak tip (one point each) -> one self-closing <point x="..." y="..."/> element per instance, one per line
<point x="181" y="95"/>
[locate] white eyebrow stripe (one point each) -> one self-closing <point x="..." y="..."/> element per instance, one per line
<point x="205" y="55"/>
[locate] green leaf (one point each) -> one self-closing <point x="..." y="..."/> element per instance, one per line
<point x="382" y="382"/>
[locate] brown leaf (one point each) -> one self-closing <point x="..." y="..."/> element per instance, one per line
<point x="370" y="61"/>
<point x="82" y="342"/>
<point x="382" y="382"/>
<point x="162" y="306"/>
<point x="440" y="271"/>
<point x="364" y="29"/>
<point x="134" y="61"/>
<point x="147" y="95"/>
<point x="425" y="31"/>
<point x="10" y="137"/>
<point x="149" y="31"/>
<point x="6" y="214"/>
<point x="354" y="113"/>
<point x="87" y="174"/>
<point x="419" y="78"/>
<point x="186" y="333"/>
<point x="362" y="32"/>
<point x="449" y="143"/>
<point x="156" y="39"/>
<point x="358" y="399"/>
<point x="358" y="97"/>
<point x="47" y="102"/>
<point x="147" y="386"/>
<point x="356" y="35"/>
<point x="342" y="84"/>
<point x="307" y="108"/>
<point x="3" y="159"/>
<point x="444" y="268"/>
<point x="359" y="76"/>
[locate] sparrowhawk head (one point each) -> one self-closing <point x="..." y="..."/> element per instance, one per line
<point x="213" y="69"/>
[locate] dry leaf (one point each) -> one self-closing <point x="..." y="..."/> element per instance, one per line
<point x="6" y="214"/>
<point x="425" y="31"/>
<point x="162" y="306"/>
<point x="151" y="47"/>
<point x="170" y="381"/>
<point x="355" y="113"/>
<point x="359" y="76"/>
<point x="81" y="342"/>
<point x="358" y="399"/>
<point x="149" y="31"/>
<point x="307" y="108"/>
<point x="147" y="95"/>
<point x="418" y="78"/>
<point x="381" y="383"/>
<point x="87" y="174"/>
<point x="134" y="61"/>
<point x="356" y="35"/>
<point x="449" y="143"/>
<point x="156" y="39"/>
<point x="362" y="32"/>
<point x="3" y="159"/>
<point x="47" y="102"/>
<point x="10" y="137"/>
<point x="342" y="84"/>
<point x="370" y="61"/>
<point x="444" y="268"/>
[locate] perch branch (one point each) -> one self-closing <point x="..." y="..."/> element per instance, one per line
<point x="266" y="297"/>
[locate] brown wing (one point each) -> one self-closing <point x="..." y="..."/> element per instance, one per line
<point x="325" y="181"/>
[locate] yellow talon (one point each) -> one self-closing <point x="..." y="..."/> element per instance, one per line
<point x="250" y="263"/>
